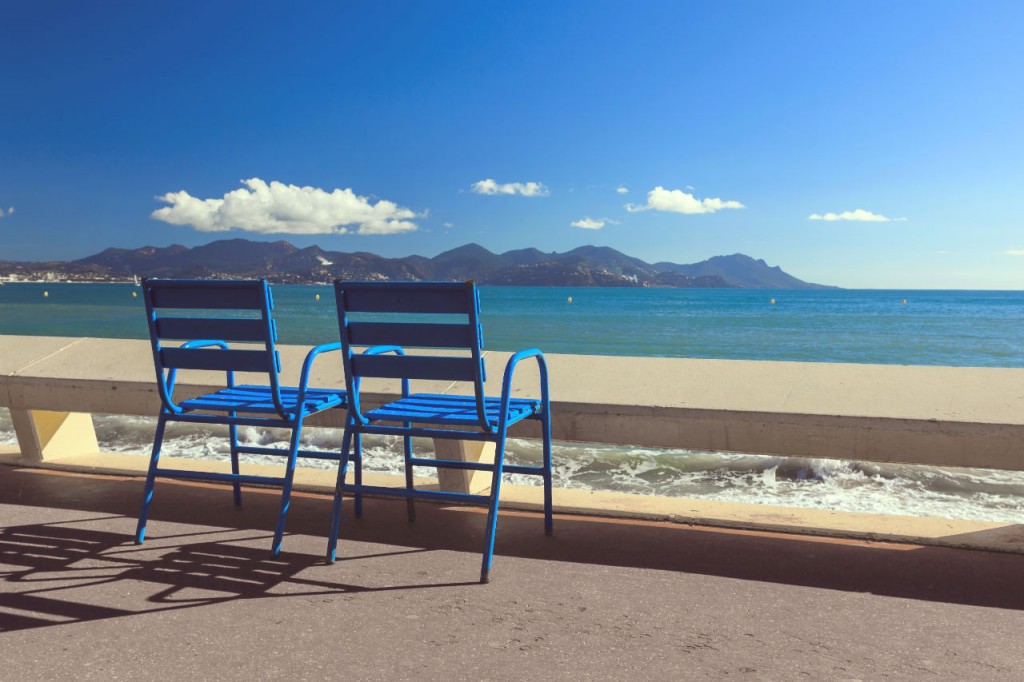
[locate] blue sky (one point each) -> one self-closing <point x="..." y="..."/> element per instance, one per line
<point x="864" y="144"/>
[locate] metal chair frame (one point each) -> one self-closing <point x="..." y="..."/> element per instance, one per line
<point x="461" y="417"/>
<point x="249" y="305"/>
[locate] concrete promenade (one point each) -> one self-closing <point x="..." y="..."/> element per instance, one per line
<point x="603" y="599"/>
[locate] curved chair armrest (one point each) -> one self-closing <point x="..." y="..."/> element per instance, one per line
<point x="380" y="350"/>
<point x="172" y="374"/>
<point x="354" y="399"/>
<point x="506" y="382"/>
<point x="202" y="343"/>
<point x="307" y="365"/>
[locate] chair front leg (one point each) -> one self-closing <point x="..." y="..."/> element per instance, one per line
<point x="492" y="508"/>
<point x="147" y="494"/>
<point x="548" y="483"/>
<point x="286" y="492"/>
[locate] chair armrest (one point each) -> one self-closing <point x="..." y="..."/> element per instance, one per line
<point x="307" y="365"/>
<point x="202" y="343"/>
<point x="380" y="350"/>
<point x="172" y="374"/>
<point x="376" y="350"/>
<point x="506" y="382"/>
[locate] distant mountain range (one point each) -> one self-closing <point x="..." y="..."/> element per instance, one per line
<point x="281" y="261"/>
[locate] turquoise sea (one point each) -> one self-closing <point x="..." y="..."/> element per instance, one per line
<point x="959" y="328"/>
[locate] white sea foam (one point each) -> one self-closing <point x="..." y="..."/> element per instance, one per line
<point x="813" y="483"/>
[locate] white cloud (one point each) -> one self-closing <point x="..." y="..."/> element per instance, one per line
<point x="588" y="224"/>
<point x="448" y="226"/>
<point x="526" y="189"/>
<point x="277" y="208"/>
<point x="1015" y="252"/>
<point x="9" y="211"/>
<point x="678" y="201"/>
<point x="859" y="215"/>
<point x="622" y="189"/>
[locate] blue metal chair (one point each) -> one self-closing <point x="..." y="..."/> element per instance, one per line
<point x="207" y="314"/>
<point x="393" y="317"/>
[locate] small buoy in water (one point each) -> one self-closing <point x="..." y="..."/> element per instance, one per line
<point x="569" y="299"/>
<point x="771" y="302"/>
<point x="134" y="295"/>
<point x="45" y="294"/>
<point x="318" y="297"/>
<point x="904" y="301"/>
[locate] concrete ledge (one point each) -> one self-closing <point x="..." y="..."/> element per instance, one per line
<point x="944" y="416"/>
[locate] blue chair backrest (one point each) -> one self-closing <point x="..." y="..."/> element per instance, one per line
<point x="208" y="315"/>
<point x="413" y="316"/>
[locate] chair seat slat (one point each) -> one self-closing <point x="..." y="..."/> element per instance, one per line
<point x="259" y="400"/>
<point x="431" y="408"/>
<point x="410" y="335"/>
<point x="223" y="360"/>
<point x="210" y="328"/>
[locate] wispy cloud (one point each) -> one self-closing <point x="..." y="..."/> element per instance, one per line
<point x="277" y="208"/>
<point x="678" y="201"/>
<point x="9" y="212"/>
<point x="1015" y="252"/>
<point x="448" y="226"/>
<point x="526" y="189"/>
<point x="622" y="189"/>
<point x="859" y="215"/>
<point x="590" y="223"/>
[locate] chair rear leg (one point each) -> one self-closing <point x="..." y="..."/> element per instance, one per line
<point x="286" y="491"/>
<point x="410" y="503"/>
<point x="236" y="486"/>
<point x="339" y="487"/>
<point x="357" y="458"/>
<point x="492" y="510"/>
<point x="147" y="494"/>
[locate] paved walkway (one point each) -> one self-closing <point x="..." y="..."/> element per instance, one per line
<point x="602" y="599"/>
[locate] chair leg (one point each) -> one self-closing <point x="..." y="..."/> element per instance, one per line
<point x="492" y="510"/>
<point x="357" y="457"/>
<point x="339" y="487"/>
<point x="410" y="503"/>
<point x="147" y="494"/>
<point x="546" y="426"/>
<point x="286" y="492"/>
<point x="236" y="486"/>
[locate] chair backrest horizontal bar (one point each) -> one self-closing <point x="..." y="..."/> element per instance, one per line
<point x="206" y="295"/>
<point x="418" y="297"/>
<point x="215" y="359"/>
<point x="411" y="335"/>
<point x="210" y="328"/>
<point x="414" y="367"/>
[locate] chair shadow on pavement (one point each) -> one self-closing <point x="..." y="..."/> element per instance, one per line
<point x="79" y="563"/>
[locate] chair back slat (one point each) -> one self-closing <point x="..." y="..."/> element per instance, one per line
<point x="198" y="294"/>
<point x="431" y="368"/>
<point x="401" y="297"/>
<point x="215" y="359"/>
<point x="414" y="335"/>
<point x="179" y="328"/>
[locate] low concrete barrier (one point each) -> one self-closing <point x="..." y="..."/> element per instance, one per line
<point x="944" y="416"/>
